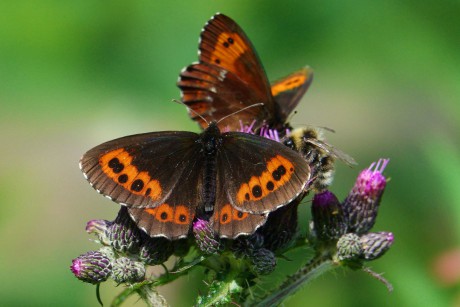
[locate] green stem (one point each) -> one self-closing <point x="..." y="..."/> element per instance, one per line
<point x="317" y="266"/>
<point x="151" y="296"/>
<point x="146" y="286"/>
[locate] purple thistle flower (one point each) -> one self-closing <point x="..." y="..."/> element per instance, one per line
<point x="371" y="182"/>
<point x="328" y="219"/>
<point x="205" y="237"/>
<point x="264" y="131"/>
<point x="99" y="228"/>
<point x="361" y="205"/>
<point x="123" y="234"/>
<point x="92" y="267"/>
<point x="247" y="128"/>
<point x="375" y="244"/>
<point x="268" y="133"/>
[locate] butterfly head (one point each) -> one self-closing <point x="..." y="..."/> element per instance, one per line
<point x="211" y="139"/>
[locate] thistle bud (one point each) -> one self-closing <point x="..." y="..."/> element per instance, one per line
<point x="123" y="234"/>
<point x="108" y="251"/>
<point x="349" y="247"/>
<point x="264" y="261"/>
<point x="361" y="205"/>
<point x="99" y="228"/>
<point x="155" y="250"/>
<point x="245" y="246"/>
<point x="92" y="267"/>
<point x="126" y="270"/>
<point x="281" y="227"/>
<point x="375" y="244"/>
<point x="181" y="247"/>
<point x="205" y="237"/>
<point x="328" y="220"/>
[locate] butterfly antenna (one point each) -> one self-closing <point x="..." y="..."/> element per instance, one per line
<point x="241" y="110"/>
<point x="191" y="110"/>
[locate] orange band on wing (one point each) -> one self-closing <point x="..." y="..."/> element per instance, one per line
<point x="288" y="84"/>
<point x="117" y="165"/>
<point x="230" y="46"/>
<point x="178" y="214"/>
<point x="279" y="171"/>
<point x="228" y="214"/>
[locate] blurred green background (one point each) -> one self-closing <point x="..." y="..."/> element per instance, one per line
<point x="75" y="74"/>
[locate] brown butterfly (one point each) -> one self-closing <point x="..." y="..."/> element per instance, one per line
<point x="167" y="179"/>
<point x="229" y="77"/>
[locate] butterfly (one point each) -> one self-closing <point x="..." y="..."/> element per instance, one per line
<point x="229" y="77"/>
<point x="168" y="179"/>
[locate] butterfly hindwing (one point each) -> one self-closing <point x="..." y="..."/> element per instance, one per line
<point x="172" y="222"/>
<point x="289" y="90"/>
<point x="230" y="222"/>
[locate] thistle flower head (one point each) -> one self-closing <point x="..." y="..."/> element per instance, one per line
<point x="328" y="219"/>
<point x="245" y="246"/>
<point x="265" y="131"/>
<point x="268" y="133"/>
<point x="361" y="205"/>
<point x="123" y="234"/>
<point x="247" y="128"/>
<point x="99" y="228"/>
<point x="264" y="261"/>
<point x="205" y="237"/>
<point x="375" y="244"/>
<point x="281" y="227"/>
<point x="349" y="247"/>
<point x="92" y="267"/>
<point x="126" y="270"/>
<point x="371" y="182"/>
<point x="155" y="250"/>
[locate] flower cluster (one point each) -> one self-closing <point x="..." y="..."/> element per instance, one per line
<point x="339" y="231"/>
<point x="125" y="253"/>
<point x="343" y="227"/>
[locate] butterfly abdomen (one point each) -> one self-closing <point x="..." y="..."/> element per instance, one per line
<point x="211" y="140"/>
<point x="209" y="185"/>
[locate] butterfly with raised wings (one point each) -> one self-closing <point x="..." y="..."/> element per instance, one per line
<point x="229" y="77"/>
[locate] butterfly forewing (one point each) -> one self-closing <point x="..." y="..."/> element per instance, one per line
<point x="223" y="43"/>
<point x="150" y="172"/>
<point x="214" y="93"/>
